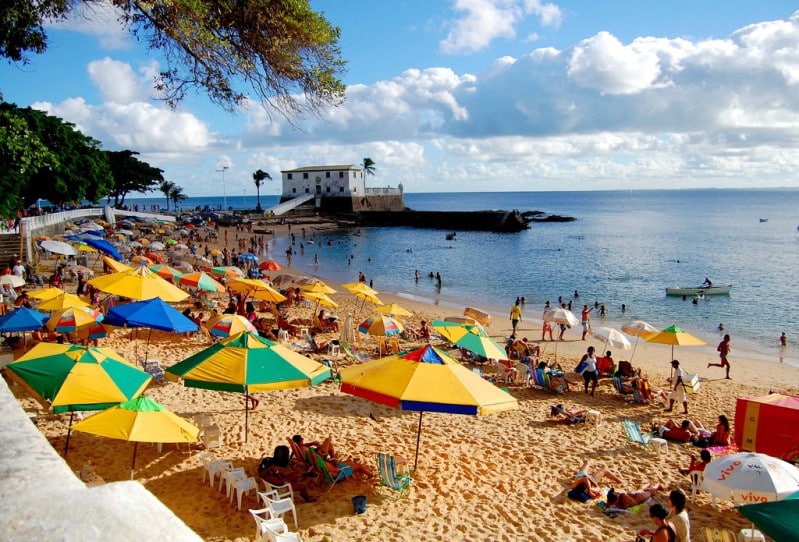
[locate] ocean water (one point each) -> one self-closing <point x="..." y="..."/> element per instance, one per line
<point x="625" y="247"/>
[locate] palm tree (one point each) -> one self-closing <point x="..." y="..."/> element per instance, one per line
<point x="368" y="166"/>
<point x="167" y="187"/>
<point x="258" y="178"/>
<point x="176" y="195"/>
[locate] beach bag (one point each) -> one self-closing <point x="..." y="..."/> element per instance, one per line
<point x="691" y="382"/>
<point x="577" y="494"/>
<point x="582" y="365"/>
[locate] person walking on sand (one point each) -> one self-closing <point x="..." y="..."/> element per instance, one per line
<point x="515" y="315"/>
<point x="723" y="349"/>
<point x="586" y="320"/>
<point x="678" y="393"/>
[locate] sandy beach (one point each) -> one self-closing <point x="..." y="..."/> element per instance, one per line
<point x="497" y="477"/>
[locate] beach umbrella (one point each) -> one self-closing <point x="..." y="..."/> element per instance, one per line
<point x="104" y="246"/>
<point x="79" y="269"/>
<point x="246" y="363"/>
<point x="478" y="315"/>
<point x="45" y="293"/>
<point x="141" y="260"/>
<point x="22" y="319"/>
<point x="381" y="326"/>
<point x="73" y="318"/>
<point x="12" y="280"/>
<point x="201" y="280"/>
<point x="611" y="336"/>
<point x="83" y="247"/>
<point x="393" y="310"/>
<point x="482" y="346"/>
<point x="320" y="298"/>
<point x="58" y="247"/>
<point x="315" y="285"/>
<point x="282" y="280"/>
<point x="62" y="301"/>
<point x="248" y="257"/>
<point x="155" y="258"/>
<point x="139" y="283"/>
<point x="425" y="380"/>
<point x="115" y="265"/>
<point x="749" y="477"/>
<point x="157" y="245"/>
<point x="151" y="313"/>
<point x="225" y="325"/>
<point x="269" y="265"/>
<point x="777" y="519"/>
<point x="166" y="272"/>
<point x="69" y="378"/>
<point x="561" y="316"/>
<point x="227" y="271"/>
<point x="256" y="289"/>
<point x="139" y="420"/>
<point x="347" y="331"/>
<point x="637" y="329"/>
<point x="452" y="331"/>
<point x="674" y="336"/>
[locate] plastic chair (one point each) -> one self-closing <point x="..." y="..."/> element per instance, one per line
<point x="280" y="492"/>
<point x="211" y="436"/>
<point x="288" y="537"/>
<point x="279" y="507"/>
<point x="266" y="525"/>
<point x="217" y="466"/>
<point x="229" y="479"/>
<point x="244" y="486"/>
<point x="697" y="477"/>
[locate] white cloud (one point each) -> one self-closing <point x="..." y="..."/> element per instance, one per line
<point x="118" y="82"/>
<point x="480" y="22"/>
<point x="99" y="19"/>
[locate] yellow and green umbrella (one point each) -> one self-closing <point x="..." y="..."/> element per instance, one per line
<point x="246" y="363"/>
<point x="69" y="378"/>
<point x="255" y="289"/>
<point x="62" y="301"/>
<point x="425" y="380"/>
<point x="674" y="336"/>
<point x="482" y="346"/>
<point x="139" y="284"/>
<point x="139" y="420"/>
<point x="453" y="331"/>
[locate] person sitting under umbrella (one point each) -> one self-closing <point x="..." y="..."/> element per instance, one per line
<point x="328" y="454"/>
<point x="324" y="322"/>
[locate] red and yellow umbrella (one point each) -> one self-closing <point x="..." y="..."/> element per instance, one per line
<point x="73" y="318"/>
<point x="382" y="326"/>
<point x="226" y="325"/>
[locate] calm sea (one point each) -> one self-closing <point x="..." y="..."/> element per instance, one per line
<point x="625" y="247"/>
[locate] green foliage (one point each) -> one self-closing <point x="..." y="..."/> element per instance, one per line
<point x="176" y="195"/>
<point x="60" y="163"/>
<point x="368" y="166"/>
<point x="21" y="151"/>
<point x="258" y="178"/>
<point x="281" y="51"/>
<point x="131" y="175"/>
<point x="166" y="188"/>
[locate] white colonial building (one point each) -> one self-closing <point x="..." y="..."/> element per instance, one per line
<point x="339" y="188"/>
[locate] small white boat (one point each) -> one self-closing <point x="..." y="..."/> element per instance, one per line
<point x="699" y="290"/>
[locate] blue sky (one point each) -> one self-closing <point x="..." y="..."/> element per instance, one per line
<point x="472" y="95"/>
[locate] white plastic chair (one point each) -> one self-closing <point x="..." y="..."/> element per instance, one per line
<point x="523" y="374"/>
<point x="211" y="436"/>
<point x="288" y="537"/>
<point x="696" y="483"/>
<point x="279" y="507"/>
<point x="217" y="466"/>
<point x="279" y="492"/>
<point x="267" y="526"/>
<point x="229" y="478"/>
<point x="244" y="486"/>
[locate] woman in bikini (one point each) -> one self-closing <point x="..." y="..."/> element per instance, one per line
<point x="628" y="500"/>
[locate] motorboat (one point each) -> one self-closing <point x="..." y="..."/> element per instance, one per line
<point x="764" y="220"/>
<point x="451" y="236"/>
<point x="699" y="290"/>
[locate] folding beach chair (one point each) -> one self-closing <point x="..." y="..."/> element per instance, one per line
<point x="634" y="433"/>
<point x="386" y="468"/>
<point x="344" y="471"/>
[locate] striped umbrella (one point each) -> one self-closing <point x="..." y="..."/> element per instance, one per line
<point x="226" y="325"/>
<point x="381" y="326"/>
<point x="73" y="318"/>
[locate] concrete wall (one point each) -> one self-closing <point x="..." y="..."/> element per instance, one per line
<point x="44" y="500"/>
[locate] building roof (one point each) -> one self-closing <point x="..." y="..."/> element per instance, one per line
<point x="321" y="168"/>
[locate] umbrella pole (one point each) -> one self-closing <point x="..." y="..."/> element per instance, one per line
<point x="634" y="347"/>
<point x="418" y="440"/>
<point x="246" y="413"/>
<point x="147" y="348"/>
<point x="133" y="463"/>
<point x="69" y="431"/>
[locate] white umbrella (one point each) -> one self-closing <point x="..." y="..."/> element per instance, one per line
<point x="59" y="247"/>
<point x="156" y="245"/>
<point x="561" y="316"/>
<point x="637" y="329"/>
<point x="612" y="337"/>
<point x="750" y="477"/>
<point x="12" y="280"/>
